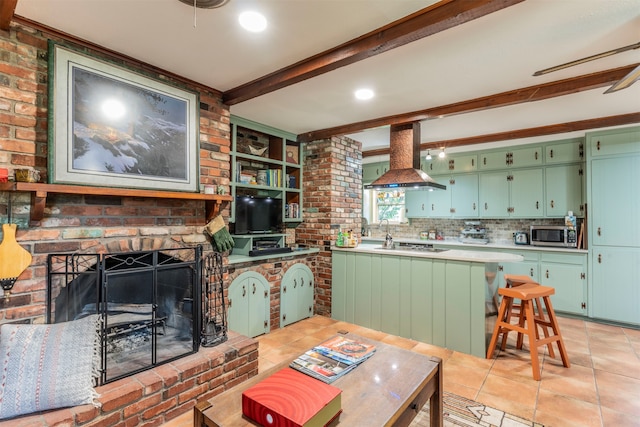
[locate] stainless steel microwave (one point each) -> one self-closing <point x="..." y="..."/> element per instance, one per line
<point x="553" y="235"/>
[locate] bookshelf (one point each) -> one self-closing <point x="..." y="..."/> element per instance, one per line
<point x="266" y="162"/>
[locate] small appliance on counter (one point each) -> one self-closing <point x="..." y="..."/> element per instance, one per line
<point x="521" y="238"/>
<point x="474" y="233"/>
<point x="553" y="235"/>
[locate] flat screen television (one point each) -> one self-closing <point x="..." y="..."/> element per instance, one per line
<point x="255" y="215"/>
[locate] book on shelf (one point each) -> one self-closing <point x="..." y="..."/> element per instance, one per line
<point x="290" y="398"/>
<point x="333" y="358"/>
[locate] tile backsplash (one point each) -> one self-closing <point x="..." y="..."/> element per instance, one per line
<point x="498" y="230"/>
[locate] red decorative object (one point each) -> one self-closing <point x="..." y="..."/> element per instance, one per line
<point x="289" y="398"/>
<point x="4" y="175"/>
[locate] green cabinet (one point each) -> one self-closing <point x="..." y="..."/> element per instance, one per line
<point x="432" y="300"/>
<point x="567" y="151"/>
<point x="459" y="200"/>
<point x="296" y="294"/>
<point x="614" y="201"/>
<point x="464" y="196"/>
<point x="566" y="273"/>
<point x="563" y="190"/>
<point x="615" y="294"/>
<point x="248" y="304"/>
<point x="373" y="171"/>
<point x="613" y="179"/>
<point x="516" y="158"/>
<point x="516" y="193"/>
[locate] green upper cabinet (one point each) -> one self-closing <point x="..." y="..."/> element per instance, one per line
<point x="516" y="158"/>
<point x="614" y="203"/>
<point x="563" y="189"/>
<point x="373" y="171"/>
<point x="459" y="200"/>
<point x="516" y="193"/>
<point x="614" y="142"/>
<point x="568" y="151"/>
<point x="494" y="194"/>
<point x="464" y="196"/>
<point x="436" y="166"/>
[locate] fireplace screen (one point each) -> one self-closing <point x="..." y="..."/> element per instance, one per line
<point x="149" y="302"/>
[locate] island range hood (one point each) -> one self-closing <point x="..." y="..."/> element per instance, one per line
<point x="404" y="161"/>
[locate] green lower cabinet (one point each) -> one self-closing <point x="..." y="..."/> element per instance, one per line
<point x="296" y="294"/>
<point x="248" y="304"/>
<point x="434" y="301"/>
<point x="614" y="293"/>
<point x="567" y="274"/>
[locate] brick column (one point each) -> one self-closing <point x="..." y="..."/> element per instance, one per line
<point x="332" y="182"/>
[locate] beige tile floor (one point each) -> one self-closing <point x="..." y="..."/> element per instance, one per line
<point x="600" y="389"/>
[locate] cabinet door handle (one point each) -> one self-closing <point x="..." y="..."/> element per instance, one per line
<point x="284" y="317"/>
<point x="538" y="204"/>
<point x="486" y="206"/>
<point x="552" y="204"/>
<point x="473" y="161"/>
<point x="599" y="232"/>
<point x="547" y="274"/>
<point x="284" y="289"/>
<point x="536" y="156"/>
<point x="254" y="289"/>
<point x="265" y="294"/>
<point x="474" y="206"/>
<point x="433" y="208"/>
<point x="301" y="281"/>
<point x="484" y="161"/>
<point x="295" y="283"/>
<point x="423" y="206"/>
<point x="598" y="145"/>
<point x="244" y="290"/>
<point x="551" y="154"/>
<point x="531" y="272"/>
<point x="599" y="258"/>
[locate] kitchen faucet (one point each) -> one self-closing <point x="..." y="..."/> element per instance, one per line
<point x="388" y="240"/>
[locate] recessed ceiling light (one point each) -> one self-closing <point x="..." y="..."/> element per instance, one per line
<point x="253" y="21"/>
<point x="364" y="94"/>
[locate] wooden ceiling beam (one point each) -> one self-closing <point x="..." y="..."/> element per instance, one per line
<point x="513" y="97"/>
<point x="431" y="20"/>
<point x="601" y="122"/>
<point x="7" y="9"/>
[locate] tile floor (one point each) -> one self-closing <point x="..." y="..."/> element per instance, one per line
<point x="600" y="389"/>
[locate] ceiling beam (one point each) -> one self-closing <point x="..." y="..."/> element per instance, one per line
<point x="425" y="22"/>
<point x="7" y="9"/>
<point x="601" y="122"/>
<point x="512" y="97"/>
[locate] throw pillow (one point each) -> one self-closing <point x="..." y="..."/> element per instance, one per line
<point x="48" y="366"/>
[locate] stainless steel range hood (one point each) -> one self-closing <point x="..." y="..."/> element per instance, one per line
<point x="404" y="161"/>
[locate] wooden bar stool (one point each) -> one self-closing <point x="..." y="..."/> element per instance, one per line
<point x="512" y="281"/>
<point x="527" y="293"/>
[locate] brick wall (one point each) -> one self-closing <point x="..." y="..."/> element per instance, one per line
<point x="332" y="201"/>
<point x="81" y="222"/>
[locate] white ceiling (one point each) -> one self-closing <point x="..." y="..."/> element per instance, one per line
<point x="490" y="55"/>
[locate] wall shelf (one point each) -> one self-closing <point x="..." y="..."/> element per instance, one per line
<point x="40" y="191"/>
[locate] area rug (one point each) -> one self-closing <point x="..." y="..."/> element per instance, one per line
<point x="459" y="411"/>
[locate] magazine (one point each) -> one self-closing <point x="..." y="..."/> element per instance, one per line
<point x="333" y="358"/>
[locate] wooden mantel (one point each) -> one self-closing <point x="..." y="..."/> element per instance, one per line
<point x="40" y="191"/>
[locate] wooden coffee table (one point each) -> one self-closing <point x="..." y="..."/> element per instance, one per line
<point x="389" y="389"/>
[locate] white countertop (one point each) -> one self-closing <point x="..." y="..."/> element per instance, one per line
<point x="451" y="254"/>
<point x="451" y="242"/>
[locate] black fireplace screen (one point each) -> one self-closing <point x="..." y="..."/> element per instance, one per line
<point x="151" y="303"/>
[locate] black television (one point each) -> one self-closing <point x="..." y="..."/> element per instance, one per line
<point x="258" y="215"/>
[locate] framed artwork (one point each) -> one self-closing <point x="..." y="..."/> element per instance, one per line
<point x="111" y="127"/>
<point x="292" y="154"/>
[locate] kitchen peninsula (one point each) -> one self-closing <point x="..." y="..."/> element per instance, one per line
<point x="443" y="297"/>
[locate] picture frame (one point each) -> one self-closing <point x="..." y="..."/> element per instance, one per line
<point x="292" y="153"/>
<point x="113" y="127"/>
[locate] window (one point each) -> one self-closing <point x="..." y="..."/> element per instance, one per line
<point x="379" y="205"/>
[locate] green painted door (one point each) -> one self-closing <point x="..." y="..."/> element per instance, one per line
<point x="615" y="294"/>
<point x="527" y="193"/>
<point x="525" y="157"/>
<point x="296" y="294"/>
<point x="563" y="186"/>
<point x="615" y="205"/>
<point x="248" y="308"/>
<point x="493" y="160"/>
<point x="493" y="195"/>
<point x="464" y="196"/>
<point x="439" y="201"/>
<point x="569" y="151"/>
<point x="570" y="284"/>
<point x="416" y="203"/>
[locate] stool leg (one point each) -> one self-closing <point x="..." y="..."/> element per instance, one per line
<point x="521" y="323"/>
<point x="527" y="306"/>
<point x="507" y="320"/>
<point x="545" y="331"/>
<point x="496" y="329"/>
<point x="556" y="330"/>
